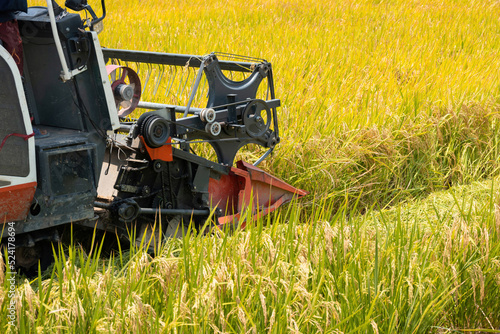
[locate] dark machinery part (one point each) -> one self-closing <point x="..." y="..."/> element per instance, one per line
<point x="256" y="123"/>
<point x="99" y="168"/>
<point x="155" y="131"/>
<point x="78" y="5"/>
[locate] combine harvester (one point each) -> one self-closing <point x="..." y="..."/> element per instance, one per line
<point x="98" y="167"/>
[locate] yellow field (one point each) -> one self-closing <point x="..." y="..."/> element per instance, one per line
<point x="372" y="91"/>
<point x="382" y="101"/>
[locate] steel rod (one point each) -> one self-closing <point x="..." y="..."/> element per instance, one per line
<point x="156" y="106"/>
<point x="151" y="211"/>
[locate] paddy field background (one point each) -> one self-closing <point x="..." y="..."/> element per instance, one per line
<point x="389" y="118"/>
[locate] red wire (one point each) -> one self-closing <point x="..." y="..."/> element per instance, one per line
<point x="25" y="137"/>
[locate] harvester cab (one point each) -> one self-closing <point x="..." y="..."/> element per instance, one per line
<point x="123" y="130"/>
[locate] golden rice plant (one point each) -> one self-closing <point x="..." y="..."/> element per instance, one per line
<point x="384" y="100"/>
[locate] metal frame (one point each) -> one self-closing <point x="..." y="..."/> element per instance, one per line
<point x="31" y="177"/>
<point x="176" y="59"/>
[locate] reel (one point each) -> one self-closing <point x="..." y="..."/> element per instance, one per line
<point x="126" y="89"/>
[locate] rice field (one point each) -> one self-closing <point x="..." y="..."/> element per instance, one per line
<point x="389" y="117"/>
<point x="430" y="266"/>
<point x="381" y="100"/>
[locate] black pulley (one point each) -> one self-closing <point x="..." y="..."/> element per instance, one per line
<point x="257" y="118"/>
<point x="155" y="131"/>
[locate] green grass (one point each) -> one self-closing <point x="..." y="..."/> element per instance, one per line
<point x="427" y="266"/>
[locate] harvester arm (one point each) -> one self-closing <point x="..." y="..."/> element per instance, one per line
<point x="163" y="175"/>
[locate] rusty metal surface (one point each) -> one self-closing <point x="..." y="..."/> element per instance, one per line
<point x="15" y="201"/>
<point x="249" y="187"/>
